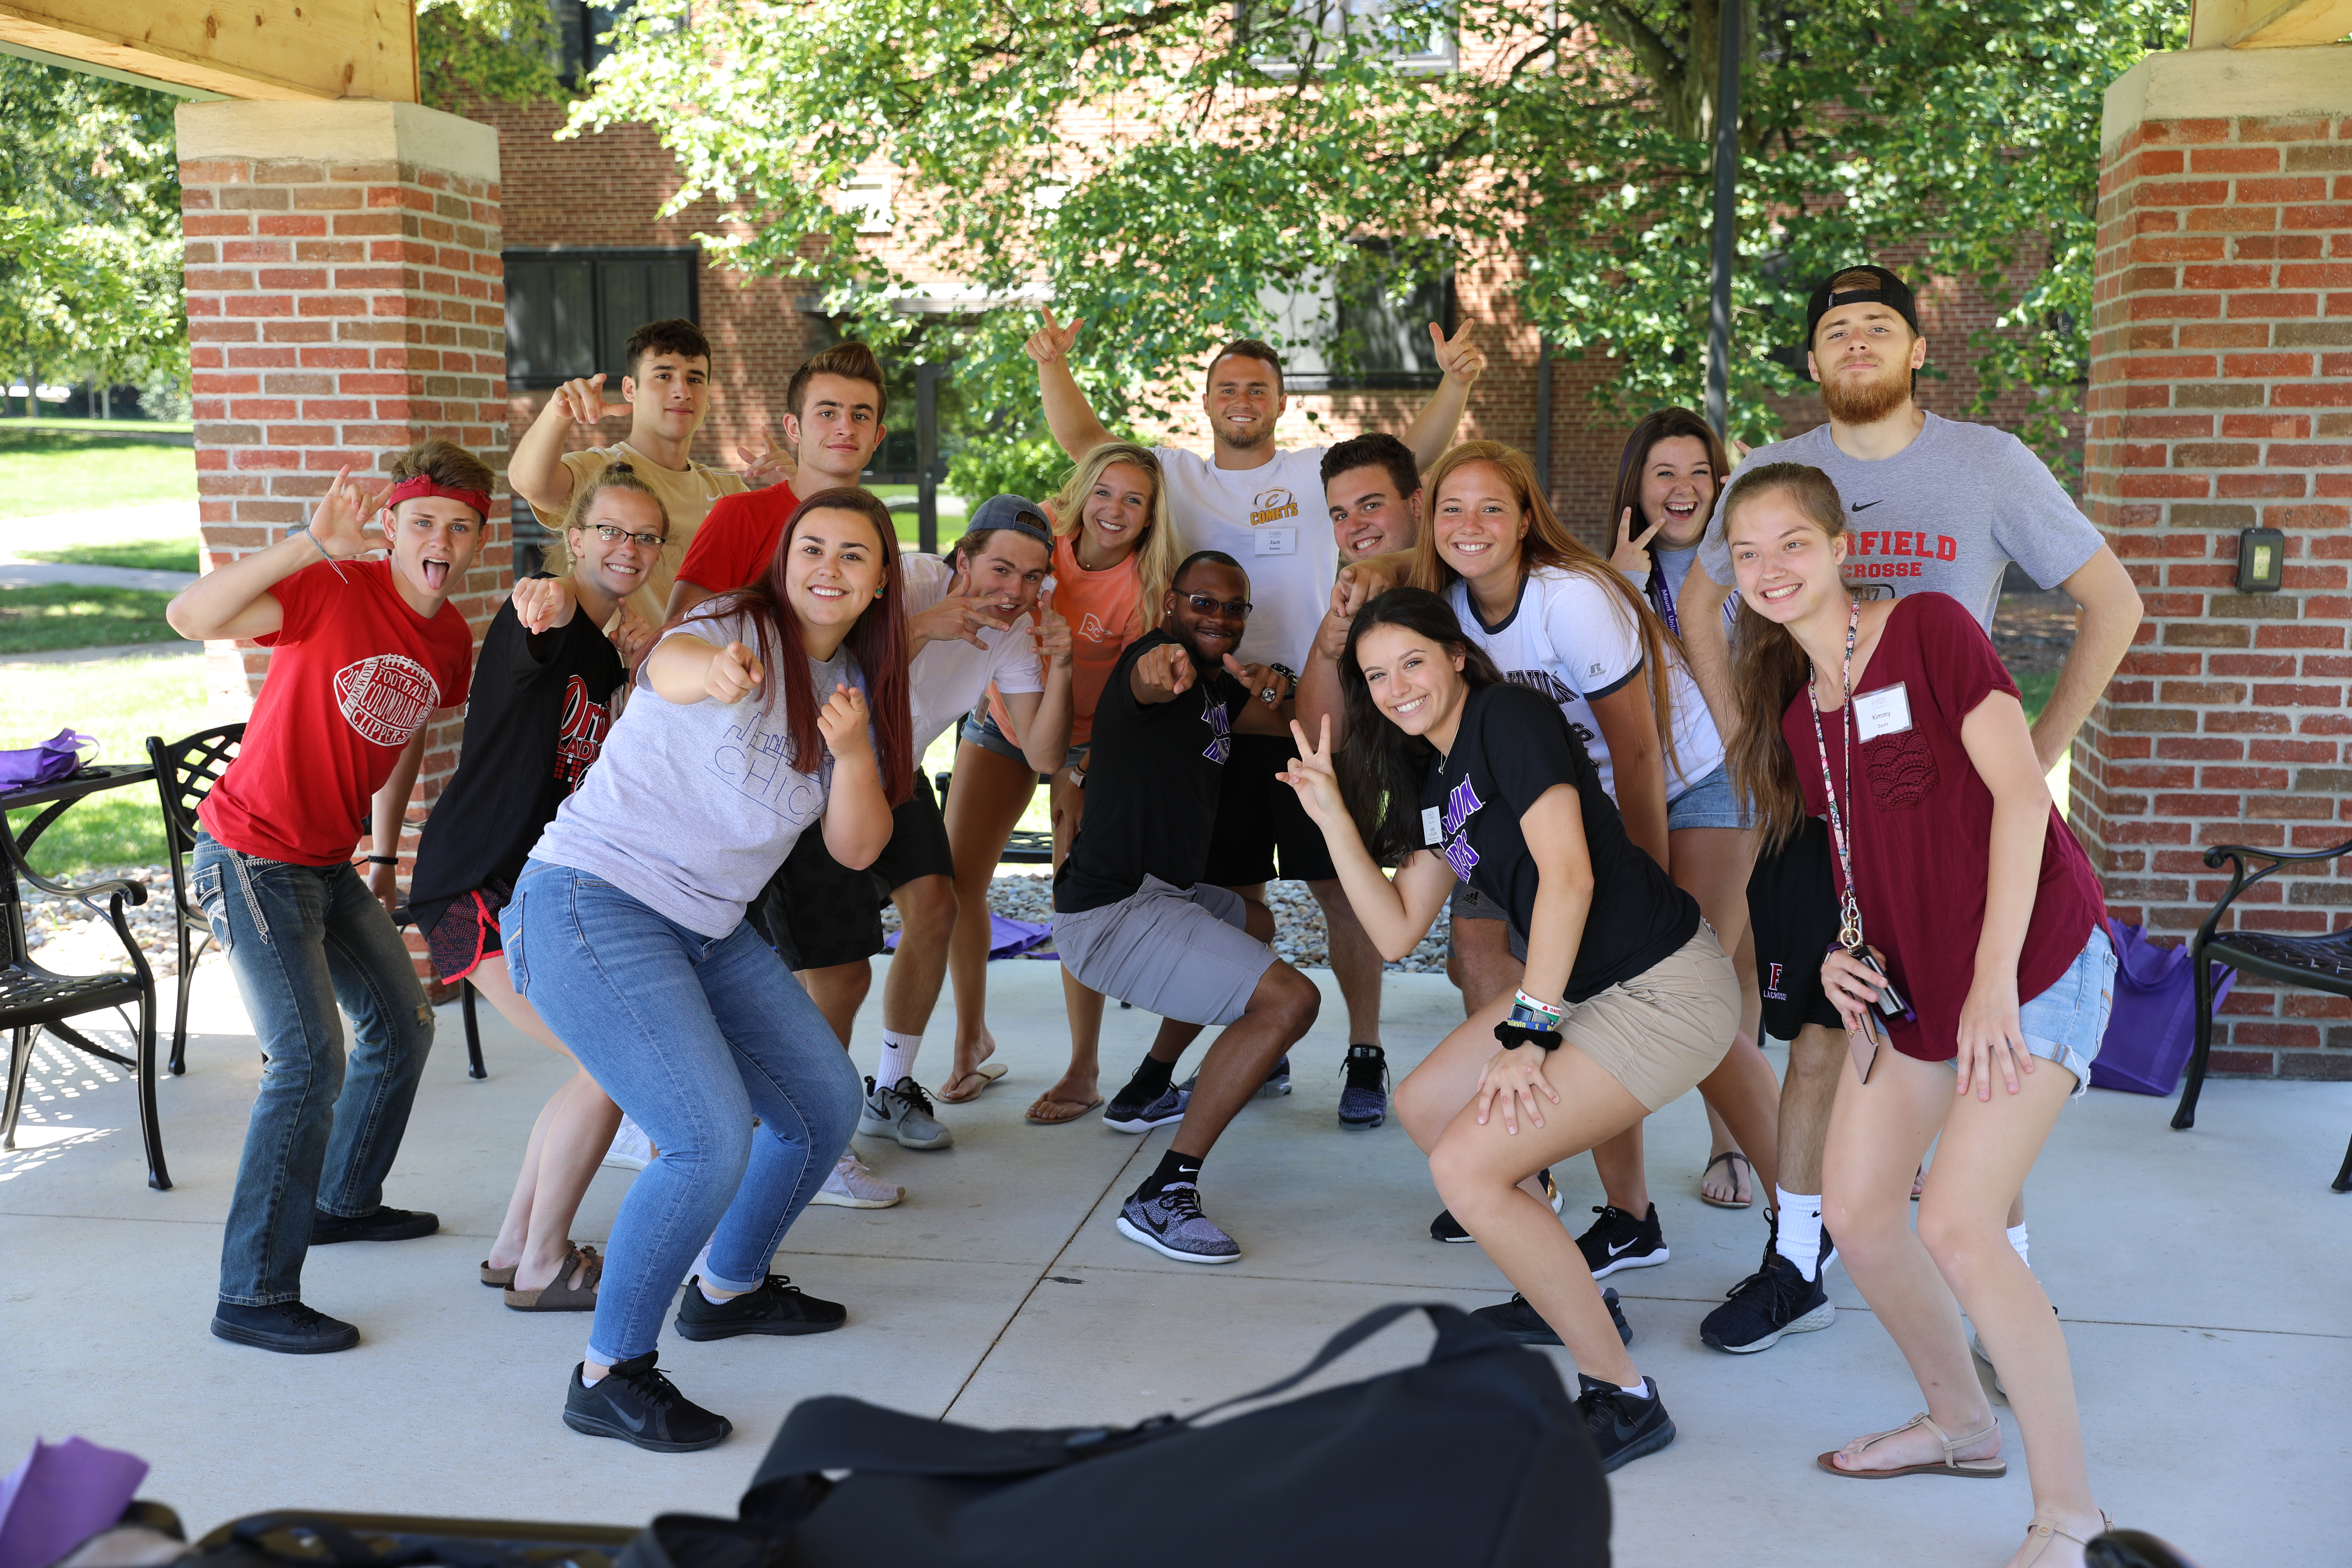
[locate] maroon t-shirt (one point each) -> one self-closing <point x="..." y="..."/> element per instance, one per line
<point x="1921" y="822"/>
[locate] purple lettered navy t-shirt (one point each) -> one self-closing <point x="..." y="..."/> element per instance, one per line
<point x="1514" y="744"/>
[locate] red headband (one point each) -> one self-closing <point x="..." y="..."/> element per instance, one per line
<point x="410" y="489"/>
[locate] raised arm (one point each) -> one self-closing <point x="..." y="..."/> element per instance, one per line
<point x="535" y="471"/>
<point x="1432" y="430"/>
<point x="1068" y="415"/>
<point x="234" y="600"/>
<point x="1395" y="913"/>
<point x="2102" y="634"/>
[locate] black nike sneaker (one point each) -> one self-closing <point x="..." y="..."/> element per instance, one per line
<point x="1617" y="1240"/>
<point x="1523" y="1323"/>
<point x="777" y="1307"/>
<point x="1624" y="1427"/>
<point x="637" y="1404"/>
<point x="1774" y="1300"/>
<point x="1446" y="1227"/>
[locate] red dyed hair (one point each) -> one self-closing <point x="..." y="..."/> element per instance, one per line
<point x="877" y="641"/>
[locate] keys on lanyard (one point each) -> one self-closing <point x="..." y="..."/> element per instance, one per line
<point x="1849" y="908"/>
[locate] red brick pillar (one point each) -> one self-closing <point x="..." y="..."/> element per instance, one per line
<point x="344" y="301"/>
<point x="2222" y="400"/>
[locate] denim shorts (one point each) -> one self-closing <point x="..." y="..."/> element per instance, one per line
<point x="1709" y="802"/>
<point x="980" y="728"/>
<point x="2065" y="1023"/>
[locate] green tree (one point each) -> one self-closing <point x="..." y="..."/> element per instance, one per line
<point x="1170" y="169"/>
<point x="505" y="51"/>
<point x="90" y="282"/>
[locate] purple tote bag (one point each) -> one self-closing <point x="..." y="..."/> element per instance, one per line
<point x="2153" y="1025"/>
<point x="58" y="757"/>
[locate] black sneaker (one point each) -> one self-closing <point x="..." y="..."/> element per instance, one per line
<point x="777" y="1307"/>
<point x="384" y="1225"/>
<point x="1523" y="1323"/>
<point x="1617" y="1240"/>
<point x="1446" y="1227"/>
<point x="1774" y="1300"/>
<point x="288" y="1326"/>
<point x="1364" y="1101"/>
<point x="637" y="1404"/>
<point x="1623" y="1428"/>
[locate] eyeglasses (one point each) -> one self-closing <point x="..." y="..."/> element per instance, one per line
<point x="1204" y="604"/>
<point x="610" y="535"/>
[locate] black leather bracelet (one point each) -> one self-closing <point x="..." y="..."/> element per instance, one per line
<point x="1512" y="1035"/>
<point x="384" y="859"/>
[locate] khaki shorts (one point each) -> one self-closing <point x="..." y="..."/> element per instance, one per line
<point x="1661" y="1032"/>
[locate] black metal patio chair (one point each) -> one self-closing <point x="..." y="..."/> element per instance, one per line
<point x="2321" y="963"/>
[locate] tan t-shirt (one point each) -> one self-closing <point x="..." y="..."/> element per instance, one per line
<point x="687" y="497"/>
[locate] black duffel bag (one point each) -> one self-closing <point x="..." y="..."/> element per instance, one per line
<point x="1475" y="1457"/>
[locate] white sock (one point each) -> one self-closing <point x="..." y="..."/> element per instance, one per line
<point x="2017" y="1240"/>
<point x="898" y="1058"/>
<point x="1638" y="1390"/>
<point x="587" y="1381"/>
<point x="1801" y="1229"/>
<point x="714" y="1301"/>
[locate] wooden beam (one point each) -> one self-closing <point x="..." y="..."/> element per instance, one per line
<point x="2267" y="24"/>
<point x="238" y="48"/>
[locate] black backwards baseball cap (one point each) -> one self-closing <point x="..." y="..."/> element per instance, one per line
<point x="1015" y="512"/>
<point x="1891" y="291"/>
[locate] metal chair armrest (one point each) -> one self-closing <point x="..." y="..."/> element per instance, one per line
<point x="2237" y="855"/>
<point x="132" y="892"/>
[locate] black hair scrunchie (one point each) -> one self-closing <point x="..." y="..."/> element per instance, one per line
<point x="1512" y="1035"/>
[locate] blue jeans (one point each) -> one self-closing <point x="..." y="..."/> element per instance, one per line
<point x="692" y="1037"/>
<point x="300" y="939"/>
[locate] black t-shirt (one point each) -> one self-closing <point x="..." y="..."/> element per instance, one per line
<point x="536" y="718"/>
<point x="1152" y="779"/>
<point x="1514" y="743"/>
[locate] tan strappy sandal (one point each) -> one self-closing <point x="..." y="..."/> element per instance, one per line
<point x="2039" y="1533"/>
<point x="1981" y="1469"/>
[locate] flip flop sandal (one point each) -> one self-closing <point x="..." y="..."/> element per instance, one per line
<point x="2042" y="1531"/>
<point x="987" y="1072"/>
<point x="1750" y="1179"/>
<point x="1073" y="1109"/>
<point x="574" y="1289"/>
<point x="1978" y="1469"/>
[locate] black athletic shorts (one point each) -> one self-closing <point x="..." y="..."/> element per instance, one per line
<point x="816" y="912"/>
<point x="1257" y="816"/>
<point x="1792" y="909"/>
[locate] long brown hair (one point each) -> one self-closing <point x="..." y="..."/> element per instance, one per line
<point x="877" y="641"/>
<point x="1768" y="667"/>
<point x="1549" y="543"/>
<point x="1662" y="425"/>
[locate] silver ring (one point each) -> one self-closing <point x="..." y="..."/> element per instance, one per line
<point x="1268" y="696"/>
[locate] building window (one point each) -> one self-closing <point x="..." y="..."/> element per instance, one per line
<point x="570" y="312"/>
<point x="1366" y="326"/>
<point x="579" y="28"/>
<point x="1414" y="36"/>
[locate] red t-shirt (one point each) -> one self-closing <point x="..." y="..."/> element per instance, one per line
<point x="1921" y="822"/>
<point x="738" y="539"/>
<point x="356" y="674"/>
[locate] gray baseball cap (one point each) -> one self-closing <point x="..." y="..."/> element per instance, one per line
<point x="1015" y="512"/>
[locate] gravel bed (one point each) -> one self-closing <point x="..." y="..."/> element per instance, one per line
<point x="1299" y="921"/>
<point x="84" y="943"/>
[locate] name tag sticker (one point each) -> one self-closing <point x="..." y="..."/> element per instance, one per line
<point x="1886" y="711"/>
<point x="1274" y="541"/>
<point x="1430" y="833"/>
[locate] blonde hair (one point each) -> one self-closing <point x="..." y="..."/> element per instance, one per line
<point x="611" y="477"/>
<point x="1549" y="543"/>
<point x="1157" y="554"/>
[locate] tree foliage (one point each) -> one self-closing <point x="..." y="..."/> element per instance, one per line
<point x="90" y="282"/>
<point x="1172" y="169"/>
<point x="504" y="50"/>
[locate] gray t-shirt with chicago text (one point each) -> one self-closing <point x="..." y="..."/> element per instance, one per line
<point x="1947" y="514"/>
<point x="692" y="806"/>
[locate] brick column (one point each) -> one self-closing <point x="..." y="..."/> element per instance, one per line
<point x="344" y="301"/>
<point x="2222" y="400"/>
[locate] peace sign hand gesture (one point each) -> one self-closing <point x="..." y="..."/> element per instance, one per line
<point x="1051" y="342"/>
<point x="1457" y="356"/>
<point x="1310" y="774"/>
<point x="1632" y="555"/>
<point x="341" y="521"/>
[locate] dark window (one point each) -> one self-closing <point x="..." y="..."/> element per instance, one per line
<point x="579" y="27"/>
<point x="1367" y="324"/>
<point x="570" y="312"/>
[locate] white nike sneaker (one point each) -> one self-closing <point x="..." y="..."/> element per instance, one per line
<point x="852" y="1187"/>
<point x="631" y="1150"/>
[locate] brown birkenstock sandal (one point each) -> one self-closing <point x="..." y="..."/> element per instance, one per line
<point x="574" y="1289"/>
<point x="1979" y="1469"/>
<point x="496" y="1279"/>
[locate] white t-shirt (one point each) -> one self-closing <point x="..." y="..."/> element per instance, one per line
<point x="947" y="680"/>
<point x="1272" y="520"/>
<point x="1572" y="640"/>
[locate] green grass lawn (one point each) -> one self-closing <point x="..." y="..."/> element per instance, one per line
<point x="121" y="703"/>
<point x="2035" y="690"/>
<point x="145" y="554"/>
<point x="44" y="471"/>
<point x="53" y="616"/>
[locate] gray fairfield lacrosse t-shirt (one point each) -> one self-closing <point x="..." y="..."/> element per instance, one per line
<point x="692" y="806"/>
<point x="1947" y="514"/>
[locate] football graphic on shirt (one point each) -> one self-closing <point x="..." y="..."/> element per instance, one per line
<point x="386" y="699"/>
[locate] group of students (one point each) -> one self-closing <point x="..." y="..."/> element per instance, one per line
<point x="691" y="776"/>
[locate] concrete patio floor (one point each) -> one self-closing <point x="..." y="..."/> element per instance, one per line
<point x="2203" y="1278"/>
